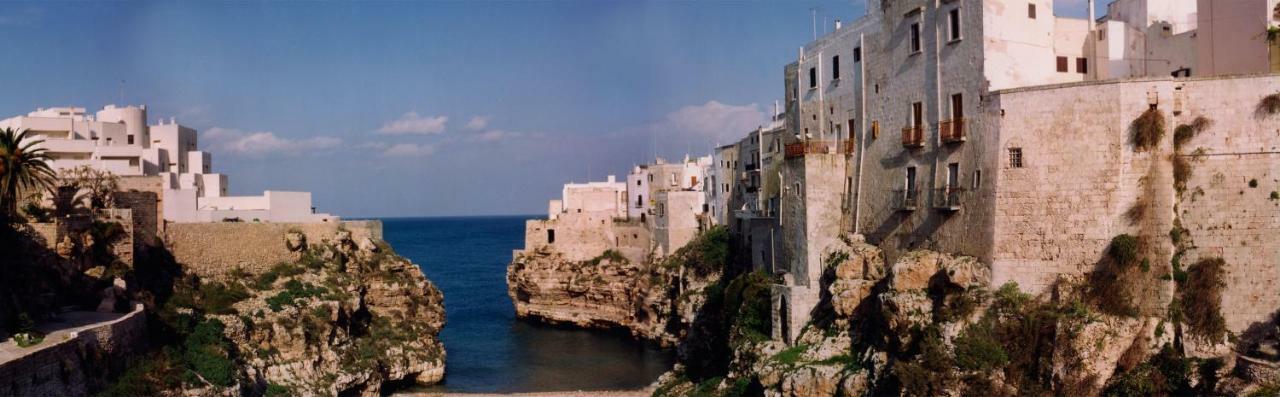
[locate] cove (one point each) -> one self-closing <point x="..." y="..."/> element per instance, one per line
<point x="491" y="351"/>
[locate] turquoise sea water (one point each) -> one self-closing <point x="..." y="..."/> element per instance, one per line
<point x="488" y="349"/>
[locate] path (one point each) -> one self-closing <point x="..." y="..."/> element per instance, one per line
<point x="56" y="331"/>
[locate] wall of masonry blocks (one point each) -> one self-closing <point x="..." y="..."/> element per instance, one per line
<point x="1081" y="175"/>
<point x="1224" y="216"/>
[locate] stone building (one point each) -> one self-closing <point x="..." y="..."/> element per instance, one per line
<point x="915" y="126"/>
<point x="119" y="140"/>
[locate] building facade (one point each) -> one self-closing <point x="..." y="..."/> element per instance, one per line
<point x="119" y="140"/>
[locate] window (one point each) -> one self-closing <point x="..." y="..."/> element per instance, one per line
<point x="704" y="208"/>
<point x="640" y="201"/>
<point x="130" y="139"/>
<point x="1015" y="157"/>
<point x="1031" y="10"/>
<point x="673" y="180"/>
<point x="851" y="130"/>
<point x="917" y="114"/>
<point x="813" y="77"/>
<point x="1062" y="64"/>
<point x="954" y="18"/>
<point x="910" y="182"/>
<point x="957" y="106"/>
<point x="1102" y="34"/>
<point x="857" y="54"/>
<point x="551" y="236"/>
<point x="953" y="175"/>
<point x="977" y="179"/>
<point x="835" y="67"/>
<point x="915" y="38"/>
<point x="1082" y="65"/>
<point x="637" y="182"/>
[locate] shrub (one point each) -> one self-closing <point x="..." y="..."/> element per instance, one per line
<point x="1147" y="130"/>
<point x="206" y="353"/>
<point x="747" y="305"/>
<point x="1204" y="287"/>
<point x="977" y="349"/>
<point x="1184" y="132"/>
<point x="294" y="290"/>
<point x="275" y="390"/>
<point x="1181" y="172"/>
<point x="610" y="254"/>
<point x="1269" y="105"/>
<point x="790" y="355"/>
<point x="1253" y="183"/>
<point x="218" y="298"/>
<point x="37" y="213"/>
<point x="1123" y="249"/>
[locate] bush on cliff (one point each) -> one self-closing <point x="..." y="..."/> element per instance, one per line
<point x="206" y="354"/>
<point x="736" y="311"/>
<point x="1147" y="130"/>
<point x="707" y="254"/>
<point x="1116" y="276"/>
<point x="1204" y="287"/>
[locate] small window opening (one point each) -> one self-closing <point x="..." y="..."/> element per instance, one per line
<point x="1015" y="157"/>
<point x="857" y="54"/>
<point x="915" y="38"/>
<point x="1031" y="10"/>
<point x="835" y="67"/>
<point x="551" y="236"/>
<point x="813" y="77"/>
<point x="954" y="18"/>
<point x="1062" y="64"/>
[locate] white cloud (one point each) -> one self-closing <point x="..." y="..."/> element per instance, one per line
<point x="716" y="120"/>
<point x="497" y="135"/>
<point x="409" y="150"/>
<point x="478" y="123"/>
<point x="412" y="123"/>
<point x="235" y="141"/>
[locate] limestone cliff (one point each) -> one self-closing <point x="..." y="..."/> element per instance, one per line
<point x="655" y="300"/>
<point x="346" y="316"/>
<point x="929" y="324"/>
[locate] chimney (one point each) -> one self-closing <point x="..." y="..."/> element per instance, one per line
<point x="837" y="23"/>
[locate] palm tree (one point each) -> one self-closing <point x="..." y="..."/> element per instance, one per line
<point x="23" y="167"/>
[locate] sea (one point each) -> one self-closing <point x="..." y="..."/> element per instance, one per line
<point x="489" y="350"/>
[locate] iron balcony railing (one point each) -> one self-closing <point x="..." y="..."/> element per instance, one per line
<point x="947" y="198"/>
<point x="913" y="137"/>
<point x="953" y="131"/>
<point x="905" y="199"/>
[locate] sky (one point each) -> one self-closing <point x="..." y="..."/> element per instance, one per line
<point x="422" y="108"/>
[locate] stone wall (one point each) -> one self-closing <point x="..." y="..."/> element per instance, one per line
<point x="582" y="236"/>
<point x="77" y="365"/>
<point x="1224" y="216"/>
<point x="1081" y="175"/>
<point x="216" y="249"/>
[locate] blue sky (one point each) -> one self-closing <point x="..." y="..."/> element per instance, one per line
<point x="409" y="108"/>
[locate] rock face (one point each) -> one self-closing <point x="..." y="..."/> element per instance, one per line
<point x="346" y="318"/>
<point x="930" y="324"/>
<point x="655" y="301"/>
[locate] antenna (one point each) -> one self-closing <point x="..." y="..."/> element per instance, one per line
<point x="813" y="12"/>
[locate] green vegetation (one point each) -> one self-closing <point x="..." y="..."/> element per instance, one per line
<point x="1147" y="130"/>
<point x="790" y="355"/>
<point x="1204" y="284"/>
<point x="1184" y="132"/>
<point x="1115" y="277"/>
<point x="274" y="390"/>
<point x="611" y="255"/>
<point x="294" y="290"/>
<point x="1167" y="373"/>
<point x="24" y="169"/>
<point x="977" y="349"/>
<point x="705" y="255"/>
<point x="206" y="354"/>
<point x="283" y="269"/>
<point x="217" y="298"/>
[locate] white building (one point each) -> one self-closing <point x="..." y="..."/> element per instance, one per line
<point x="118" y="139"/>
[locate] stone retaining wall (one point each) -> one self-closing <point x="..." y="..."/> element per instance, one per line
<point x="216" y="249"/>
<point x="77" y="365"/>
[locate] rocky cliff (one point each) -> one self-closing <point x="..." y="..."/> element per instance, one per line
<point x="929" y="324"/>
<point x="346" y="316"/>
<point x="655" y="300"/>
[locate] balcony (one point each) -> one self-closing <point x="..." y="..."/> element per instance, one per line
<point x="947" y="198"/>
<point x="913" y="137"/>
<point x="905" y="199"/>
<point x="953" y="131"/>
<point x="799" y="149"/>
